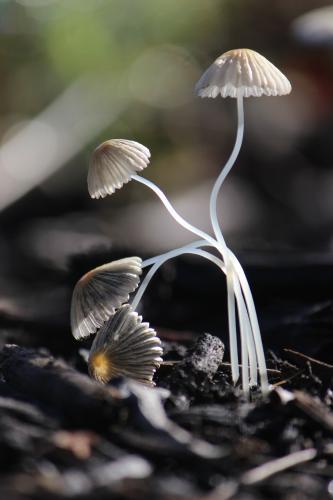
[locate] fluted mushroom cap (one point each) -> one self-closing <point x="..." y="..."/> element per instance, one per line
<point x="112" y="165"/>
<point x="244" y="73"/>
<point x="100" y="292"/>
<point x="125" y="346"/>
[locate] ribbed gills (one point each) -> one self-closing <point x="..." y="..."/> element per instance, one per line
<point x="242" y="72"/>
<point x="125" y="346"/>
<point x="112" y="165"/>
<point x="100" y="292"/>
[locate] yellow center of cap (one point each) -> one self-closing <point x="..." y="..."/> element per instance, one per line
<point x="100" y="366"/>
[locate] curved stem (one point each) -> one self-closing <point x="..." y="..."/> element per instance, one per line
<point x="178" y="218"/>
<point x="159" y="261"/>
<point x="218" y="233"/>
<point x="221" y="246"/>
<point x="225" y="252"/>
<point x="248" y="345"/>
<point x="194" y="244"/>
<point x="246" y="303"/>
<point x="225" y="171"/>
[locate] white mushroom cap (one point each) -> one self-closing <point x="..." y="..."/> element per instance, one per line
<point x="242" y="73"/>
<point x="112" y="165"/>
<point x="125" y="346"/>
<point x="100" y="292"/>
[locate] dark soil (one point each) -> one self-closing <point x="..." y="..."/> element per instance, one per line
<point x="65" y="436"/>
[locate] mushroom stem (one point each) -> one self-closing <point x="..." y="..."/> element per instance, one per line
<point x="248" y="345"/>
<point x="159" y="260"/>
<point x="178" y="218"/>
<point x="218" y="233"/>
<point x="224" y="252"/>
<point x="254" y="321"/>
<point x="233" y="260"/>
<point x="225" y="171"/>
<point x="221" y="246"/>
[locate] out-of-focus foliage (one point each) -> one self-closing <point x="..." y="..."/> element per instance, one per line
<point x="78" y="72"/>
<point x="77" y="36"/>
<point x="110" y="35"/>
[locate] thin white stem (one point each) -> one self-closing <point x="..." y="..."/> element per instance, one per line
<point x="232" y="323"/>
<point x="254" y="322"/>
<point x="160" y="260"/>
<point x="178" y="218"/>
<point x="244" y="343"/>
<point x="194" y="244"/>
<point x="252" y="352"/>
<point x="224" y="251"/>
<point x="248" y="346"/>
<point x="218" y="233"/>
<point x="225" y="171"/>
<point x="221" y="246"/>
<point x="246" y="334"/>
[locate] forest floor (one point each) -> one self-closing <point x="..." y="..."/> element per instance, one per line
<point x="195" y="436"/>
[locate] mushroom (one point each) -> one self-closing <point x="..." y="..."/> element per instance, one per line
<point x="238" y="73"/>
<point x="113" y="164"/>
<point x="100" y="292"/>
<point x="125" y="346"/>
<point x="105" y="170"/>
<point x="242" y="73"/>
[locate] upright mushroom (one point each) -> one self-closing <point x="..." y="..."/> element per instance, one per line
<point x="238" y="73"/>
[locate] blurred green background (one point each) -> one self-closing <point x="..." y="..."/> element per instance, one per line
<point x="77" y="72"/>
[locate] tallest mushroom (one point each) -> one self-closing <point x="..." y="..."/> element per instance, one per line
<point x="237" y="73"/>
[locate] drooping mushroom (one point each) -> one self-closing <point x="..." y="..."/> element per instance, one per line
<point x="100" y="292"/>
<point x="125" y="346"/>
<point x="113" y="164"/>
<point x="238" y="73"/>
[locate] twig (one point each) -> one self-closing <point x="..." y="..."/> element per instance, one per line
<point x="315" y="409"/>
<point x="268" y="469"/>
<point x="282" y="382"/>
<point x="308" y="358"/>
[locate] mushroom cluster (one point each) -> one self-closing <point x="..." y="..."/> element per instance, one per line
<point x="123" y="344"/>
